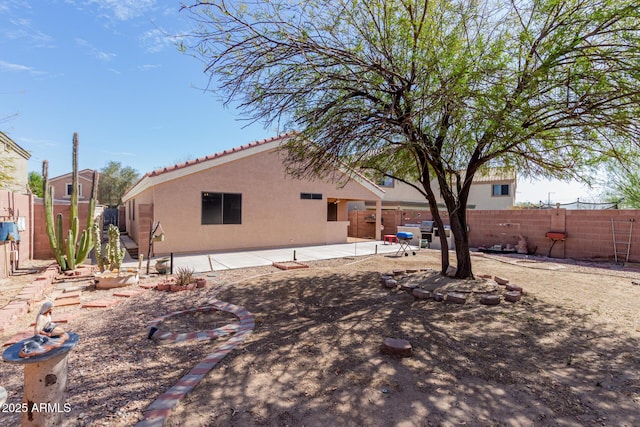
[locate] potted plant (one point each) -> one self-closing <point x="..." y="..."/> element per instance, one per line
<point x="110" y="259"/>
<point x="201" y="282"/>
<point x="184" y="279"/>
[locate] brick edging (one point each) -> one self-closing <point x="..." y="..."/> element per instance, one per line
<point x="157" y="413"/>
<point x="23" y="302"/>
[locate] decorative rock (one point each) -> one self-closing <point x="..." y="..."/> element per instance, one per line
<point x="421" y="293"/>
<point x="485" y="276"/>
<point x="384" y="278"/>
<point x="412" y="270"/>
<point x="490" y="299"/>
<point x="438" y="296"/>
<point x="408" y="286"/>
<point x="451" y="271"/>
<point x="456" y="297"/>
<point x="396" y="347"/>
<point x="514" y="288"/>
<point x="500" y="280"/>
<point x="391" y="283"/>
<point x="513" y="296"/>
<point x="3" y="395"/>
<point x="398" y="272"/>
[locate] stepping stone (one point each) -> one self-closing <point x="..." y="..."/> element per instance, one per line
<point x="456" y="297"/>
<point x="408" y="286"/>
<point x="500" y="280"/>
<point x="61" y="318"/>
<point x="129" y="293"/>
<point x="71" y="287"/>
<point x="69" y="294"/>
<point x="396" y="347"/>
<point x="490" y="299"/>
<point x="18" y="337"/>
<point x="438" y="296"/>
<point x="101" y="303"/>
<point x="421" y="293"/>
<point x="513" y="296"/>
<point x="66" y="301"/>
<point x="514" y="288"/>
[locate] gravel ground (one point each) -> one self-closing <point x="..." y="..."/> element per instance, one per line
<point x="565" y="354"/>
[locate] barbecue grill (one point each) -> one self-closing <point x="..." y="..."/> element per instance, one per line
<point x="426" y="229"/>
<point x="404" y="237"/>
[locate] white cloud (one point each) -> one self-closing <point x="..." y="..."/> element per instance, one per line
<point x="23" y="29"/>
<point x="97" y="53"/>
<point x="9" y="67"/>
<point x="156" y="40"/>
<point x="147" y="67"/>
<point x="125" y="10"/>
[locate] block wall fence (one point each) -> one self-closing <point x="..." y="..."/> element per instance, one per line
<point x="41" y="248"/>
<point x="589" y="232"/>
<point x="12" y="207"/>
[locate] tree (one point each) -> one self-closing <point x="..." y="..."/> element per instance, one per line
<point x="6" y="172"/>
<point x="35" y="183"/>
<point x="623" y="184"/>
<point x="114" y="181"/>
<point x="438" y="89"/>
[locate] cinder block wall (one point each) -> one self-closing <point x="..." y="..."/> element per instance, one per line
<point x="41" y="248"/>
<point x="590" y="234"/>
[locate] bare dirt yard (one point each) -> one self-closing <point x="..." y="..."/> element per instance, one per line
<point x="566" y="354"/>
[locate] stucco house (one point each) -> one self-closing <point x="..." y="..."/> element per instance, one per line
<point x="493" y="190"/>
<point x="16" y="166"/>
<point x="241" y="199"/>
<point x="62" y="185"/>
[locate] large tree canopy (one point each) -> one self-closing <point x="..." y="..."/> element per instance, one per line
<point x="114" y="181"/>
<point x="432" y="89"/>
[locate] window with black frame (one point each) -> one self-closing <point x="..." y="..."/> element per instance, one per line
<point x="221" y="208"/>
<point x="500" y="190"/>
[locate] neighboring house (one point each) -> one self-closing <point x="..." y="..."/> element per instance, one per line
<point x="495" y="190"/>
<point x="62" y="185"/>
<point x="240" y="199"/>
<point x="16" y="165"/>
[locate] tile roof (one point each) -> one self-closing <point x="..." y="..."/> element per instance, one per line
<point x="215" y="156"/>
<point x="150" y="177"/>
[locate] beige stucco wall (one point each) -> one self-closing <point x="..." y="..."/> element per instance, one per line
<point x="59" y="185"/>
<point x="19" y="172"/>
<point x="273" y="214"/>
<point x="479" y="196"/>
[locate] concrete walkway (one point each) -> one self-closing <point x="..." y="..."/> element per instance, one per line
<point x="206" y="262"/>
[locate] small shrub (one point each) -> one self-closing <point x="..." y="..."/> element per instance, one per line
<point x="184" y="276"/>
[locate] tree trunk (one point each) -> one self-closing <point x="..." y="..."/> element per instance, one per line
<point x="444" y="249"/>
<point x="458" y="220"/>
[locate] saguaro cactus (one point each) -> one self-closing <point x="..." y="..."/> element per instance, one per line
<point x="68" y="252"/>
<point x="111" y="257"/>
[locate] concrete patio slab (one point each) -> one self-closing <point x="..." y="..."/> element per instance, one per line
<point x="206" y="262"/>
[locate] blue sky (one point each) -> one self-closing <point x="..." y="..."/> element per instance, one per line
<point x="109" y="70"/>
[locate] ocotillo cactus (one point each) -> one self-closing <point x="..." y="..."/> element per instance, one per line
<point x="112" y="255"/>
<point x="68" y="252"/>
